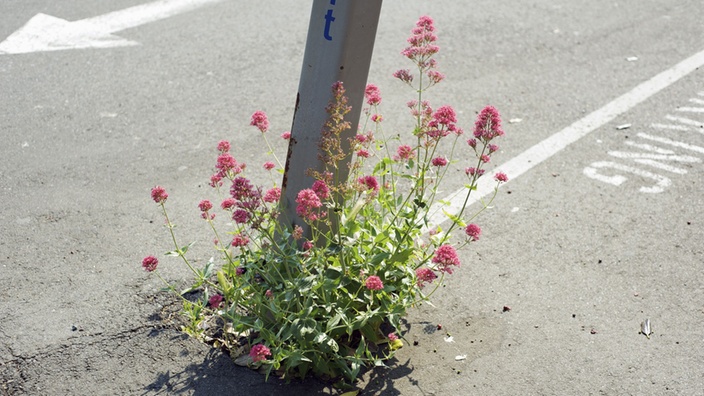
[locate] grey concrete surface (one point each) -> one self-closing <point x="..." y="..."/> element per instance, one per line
<point x="86" y="133"/>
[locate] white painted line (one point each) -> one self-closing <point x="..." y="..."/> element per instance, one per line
<point x="692" y="109"/>
<point x="592" y="172"/>
<point x="550" y="146"/>
<point x="695" y="123"/>
<point x="650" y="148"/>
<point x="47" y="33"/>
<point x="672" y="142"/>
<point x="697" y="101"/>
<point x="670" y="126"/>
<point x="662" y="166"/>
<point x="662" y="157"/>
<point x="700" y="93"/>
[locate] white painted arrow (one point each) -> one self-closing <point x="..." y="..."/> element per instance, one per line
<point x="47" y="33"/>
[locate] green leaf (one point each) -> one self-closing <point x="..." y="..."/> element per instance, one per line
<point x="185" y="248"/>
<point x="455" y="219"/>
<point x="471" y="187"/>
<point x="224" y="283"/>
<point x="194" y="287"/>
<point x="368" y="332"/>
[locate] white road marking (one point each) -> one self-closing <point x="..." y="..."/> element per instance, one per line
<point x="678" y="158"/>
<point x="692" y="109"/>
<point x="672" y="142"/>
<point x="591" y="171"/>
<point x="555" y="143"/>
<point x="697" y="101"/>
<point x="670" y="126"/>
<point x="650" y="148"/>
<point x="47" y="33"/>
<point x="662" y="166"/>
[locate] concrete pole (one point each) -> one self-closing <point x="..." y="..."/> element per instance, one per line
<point x="339" y="47"/>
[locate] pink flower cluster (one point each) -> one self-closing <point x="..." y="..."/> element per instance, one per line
<point x="259" y="352"/>
<point x="260" y="121"/>
<point x="159" y="195"/>
<point x="421" y="40"/>
<point x="240" y="240"/>
<point x="501" y="177"/>
<point x="488" y="125"/>
<point x="224" y="146"/>
<point x="369" y="182"/>
<point x="443" y="122"/>
<point x="439" y="161"/>
<point x="393" y="337"/>
<point x="404" y="75"/>
<point x="205" y="205"/>
<point x="425" y="275"/>
<point x="286" y="135"/>
<point x="269" y="165"/>
<point x="373" y="283"/>
<point x="215" y="301"/>
<point x="446" y="257"/>
<point x="404" y="153"/>
<point x="321" y="189"/>
<point x="472" y="172"/>
<point x="473" y="231"/>
<point x="308" y="201"/>
<point x="149" y="263"/>
<point x="272" y="195"/>
<point x="373" y="95"/>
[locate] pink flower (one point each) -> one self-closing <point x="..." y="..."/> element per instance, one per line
<point x="269" y="165"/>
<point x="227" y="162"/>
<point x="473" y="171"/>
<point x="439" y="161"/>
<point x="370" y="182"/>
<point x="404" y="75"/>
<point x="216" y="241"/>
<point x="425" y="275"/>
<point x="361" y="138"/>
<point x="205" y="216"/>
<point x="205" y="205"/>
<point x="372" y="94"/>
<point x="377" y="118"/>
<point x="239" y="271"/>
<point x="501" y="177"/>
<point x="286" y="135"/>
<point x="215" y="180"/>
<point x="240" y="240"/>
<point x="229" y="203"/>
<point x="224" y="146"/>
<point x="446" y="256"/>
<point x="404" y="153"/>
<point x="307" y="245"/>
<point x="393" y="337"/>
<point x="373" y="283"/>
<point x="260" y="121"/>
<point x="272" y="195"/>
<point x="297" y="232"/>
<point x="435" y="76"/>
<point x="363" y="153"/>
<point x="488" y="125"/>
<point x="159" y="195"/>
<point x="472" y="143"/>
<point x="215" y="301"/>
<point x="473" y="231"/>
<point x="321" y="189"/>
<point x="240" y="216"/>
<point x="485" y="158"/>
<point x="492" y="148"/>
<point x="259" y="352"/>
<point x="242" y="189"/>
<point x="445" y="115"/>
<point x="307" y="201"/>
<point x="269" y="294"/>
<point x="149" y="263"/>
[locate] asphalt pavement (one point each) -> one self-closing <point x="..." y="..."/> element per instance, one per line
<point x="577" y="250"/>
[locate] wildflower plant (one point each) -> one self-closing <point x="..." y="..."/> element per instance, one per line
<point x="323" y="303"/>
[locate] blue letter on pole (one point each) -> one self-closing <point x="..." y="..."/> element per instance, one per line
<point x="328" y="20"/>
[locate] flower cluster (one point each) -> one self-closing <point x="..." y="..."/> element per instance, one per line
<point x="307" y="287"/>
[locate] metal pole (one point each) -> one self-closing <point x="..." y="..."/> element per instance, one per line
<point x="339" y="48"/>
